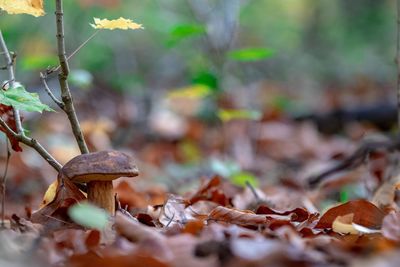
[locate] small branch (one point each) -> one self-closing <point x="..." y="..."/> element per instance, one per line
<point x="50" y="93"/>
<point x="11" y="76"/>
<point x="62" y="78"/>
<point x="33" y="144"/>
<point x="356" y="159"/>
<point x="398" y="64"/>
<point x="3" y="187"/>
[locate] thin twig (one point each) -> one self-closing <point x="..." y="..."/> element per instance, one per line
<point x="253" y="190"/>
<point x="62" y="78"/>
<point x="59" y="103"/>
<point x="77" y="49"/>
<point x="11" y="77"/>
<point x="3" y="187"/>
<point x="32" y="143"/>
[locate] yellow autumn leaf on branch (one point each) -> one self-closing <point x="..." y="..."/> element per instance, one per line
<point x="31" y="7"/>
<point x="120" y="23"/>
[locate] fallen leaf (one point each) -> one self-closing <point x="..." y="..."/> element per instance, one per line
<point x="54" y="214"/>
<point x="49" y="194"/>
<point x="211" y="191"/>
<point x="343" y="224"/>
<point x="365" y="214"/>
<point x="295" y="215"/>
<point x="93" y="239"/>
<point x="391" y="226"/>
<point x="121" y="23"/>
<point x="236" y="216"/>
<point x="149" y="240"/>
<point x="31" y="7"/>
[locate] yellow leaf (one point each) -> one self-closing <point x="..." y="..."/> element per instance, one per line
<point x="120" y="23"/>
<point x="197" y="91"/>
<point x="31" y="7"/>
<point x="50" y="194"/>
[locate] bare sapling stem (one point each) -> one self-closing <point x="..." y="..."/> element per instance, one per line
<point x="62" y="78"/>
<point x="398" y="64"/>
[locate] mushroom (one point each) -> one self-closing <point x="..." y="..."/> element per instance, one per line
<point x="98" y="170"/>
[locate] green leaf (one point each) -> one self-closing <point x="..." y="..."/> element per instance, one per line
<point x="195" y="91"/>
<point x="88" y="215"/>
<point x="250" y="54"/>
<point x="238" y="114"/>
<point x="183" y="31"/>
<point x="241" y="178"/>
<point x="21" y="99"/>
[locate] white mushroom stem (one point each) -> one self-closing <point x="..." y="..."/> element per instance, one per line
<point x="101" y="194"/>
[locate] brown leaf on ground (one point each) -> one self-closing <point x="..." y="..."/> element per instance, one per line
<point x="365" y="214"/>
<point x="55" y="213"/>
<point x="211" y="191"/>
<point x="391" y="226"/>
<point x="295" y="215"/>
<point x="137" y="260"/>
<point x="236" y="216"/>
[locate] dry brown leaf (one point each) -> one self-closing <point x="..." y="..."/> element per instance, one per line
<point x="343" y="224"/>
<point x="148" y="238"/>
<point x="31" y="7"/>
<point x="236" y="216"/>
<point x="295" y="215"/>
<point x="391" y="226"/>
<point x="365" y="214"/>
<point x="55" y="214"/>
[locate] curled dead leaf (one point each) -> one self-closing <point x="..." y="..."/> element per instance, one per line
<point x="343" y="224"/>
<point x="236" y="216"/>
<point x="364" y="213"/>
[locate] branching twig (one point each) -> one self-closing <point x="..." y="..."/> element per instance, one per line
<point x="3" y="187"/>
<point x="62" y="77"/>
<point x="32" y="143"/>
<point x="59" y="103"/>
<point x="77" y="50"/>
<point x="356" y="159"/>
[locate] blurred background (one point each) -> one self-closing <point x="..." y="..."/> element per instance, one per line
<point x="250" y="90"/>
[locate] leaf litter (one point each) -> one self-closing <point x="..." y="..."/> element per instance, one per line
<point x="212" y="221"/>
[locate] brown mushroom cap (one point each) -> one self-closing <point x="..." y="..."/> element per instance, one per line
<point x="99" y="166"/>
